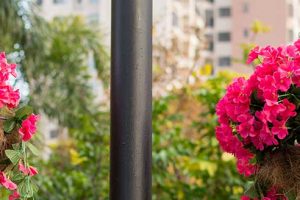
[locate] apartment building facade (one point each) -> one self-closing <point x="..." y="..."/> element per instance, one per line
<point x="178" y="40"/>
<point x="232" y="28"/>
<point x="96" y="12"/>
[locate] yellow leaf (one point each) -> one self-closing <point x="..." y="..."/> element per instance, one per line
<point x="75" y="157"/>
<point x="259" y="27"/>
<point x="206" y="70"/>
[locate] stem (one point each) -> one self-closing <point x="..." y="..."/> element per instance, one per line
<point x="296" y="97"/>
<point x="284" y="95"/>
<point x="254" y="105"/>
<point x="259" y="60"/>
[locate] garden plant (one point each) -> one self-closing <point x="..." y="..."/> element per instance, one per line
<point x="259" y="123"/>
<point x="17" y="126"/>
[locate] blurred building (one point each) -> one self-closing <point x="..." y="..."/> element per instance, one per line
<point x="178" y="42"/>
<point x="96" y="12"/>
<point x="231" y="27"/>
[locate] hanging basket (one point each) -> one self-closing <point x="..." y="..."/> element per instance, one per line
<point x="281" y="169"/>
<point x="6" y="142"/>
<point x="259" y="121"/>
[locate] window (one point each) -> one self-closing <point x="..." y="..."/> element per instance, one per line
<point x="174" y="19"/>
<point x="79" y="1"/>
<point x="291" y="10"/>
<point x="198" y="11"/>
<point x="93" y="19"/>
<point x="39" y="2"/>
<point x="210" y="42"/>
<point x="94" y="1"/>
<point x="245" y="7"/>
<point x="291" y="35"/>
<point x="58" y="1"/>
<point x="224" y="12"/>
<point x="224" y="37"/>
<point x="54" y="134"/>
<point x="210" y="46"/>
<point x="246" y="33"/>
<point x="209" y="18"/>
<point x="224" y="61"/>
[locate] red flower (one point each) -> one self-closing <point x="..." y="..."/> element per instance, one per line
<point x="253" y="55"/>
<point x="283" y="80"/>
<point x="15" y="195"/>
<point x="31" y="171"/>
<point x="8" y="96"/>
<point x="28" y="127"/>
<point x="5" y="182"/>
<point x="245" y="198"/>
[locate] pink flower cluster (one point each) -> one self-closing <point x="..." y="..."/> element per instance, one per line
<point x="272" y="194"/>
<point x="254" y="112"/>
<point x="31" y="171"/>
<point x="28" y="127"/>
<point x="8" y="96"/>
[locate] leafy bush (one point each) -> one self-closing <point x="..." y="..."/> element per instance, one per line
<point x="187" y="162"/>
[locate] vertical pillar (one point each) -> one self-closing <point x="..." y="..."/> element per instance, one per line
<point x="131" y="100"/>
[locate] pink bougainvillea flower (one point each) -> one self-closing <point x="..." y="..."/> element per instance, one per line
<point x="5" y="68"/>
<point x="254" y="53"/>
<point x="23" y="169"/>
<point x="258" y="112"/>
<point x="28" y="127"/>
<point x="15" y="195"/>
<point x="272" y="194"/>
<point x="296" y="77"/>
<point x="5" y="182"/>
<point x="280" y="131"/>
<point x="31" y="171"/>
<point x="8" y="96"/>
<point x="246" y="127"/>
<point x="283" y="80"/>
<point x="297" y="44"/>
<point x="267" y="83"/>
<point x="245" y="198"/>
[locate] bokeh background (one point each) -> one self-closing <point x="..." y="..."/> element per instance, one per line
<point x="62" y="48"/>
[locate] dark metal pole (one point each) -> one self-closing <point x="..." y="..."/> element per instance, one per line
<point x="131" y="97"/>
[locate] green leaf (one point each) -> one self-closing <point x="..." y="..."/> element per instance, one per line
<point x="34" y="187"/>
<point x="6" y="112"/>
<point x="290" y="195"/>
<point x="251" y="191"/>
<point x="17" y="177"/>
<point x="23" y="112"/>
<point x="13" y="155"/>
<point x="9" y="125"/>
<point x="33" y="149"/>
<point x="25" y="188"/>
<point x="16" y="146"/>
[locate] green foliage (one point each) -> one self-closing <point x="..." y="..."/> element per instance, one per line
<point x="20" y="115"/>
<point x="19" y="154"/>
<point x="187" y="161"/>
<point x="79" y="168"/>
<point x="53" y="58"/>
<point x="13" y="155"/>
